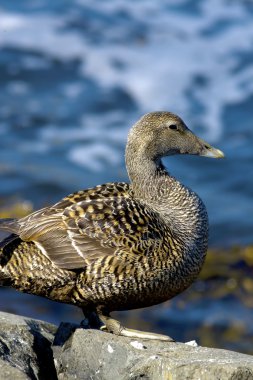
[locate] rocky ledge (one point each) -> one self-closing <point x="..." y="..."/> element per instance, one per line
<point x="32" y="349"/>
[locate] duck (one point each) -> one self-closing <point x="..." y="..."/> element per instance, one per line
<point x="117" y="246"/>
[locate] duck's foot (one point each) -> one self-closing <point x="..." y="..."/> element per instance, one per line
<point x="115" y="327"/>
<point x="91" y="320"/>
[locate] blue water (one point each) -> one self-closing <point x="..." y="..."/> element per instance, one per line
<point x="75" y="75"/>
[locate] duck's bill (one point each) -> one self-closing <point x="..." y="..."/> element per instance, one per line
<point x="196" y="146"/>
<point x="212" y="152"/>
<point x="207" y="150"/>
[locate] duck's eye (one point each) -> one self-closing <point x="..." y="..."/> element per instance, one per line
<point x="173" y="126"/>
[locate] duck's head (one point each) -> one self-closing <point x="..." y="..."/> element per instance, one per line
<point x="159" y="134"/>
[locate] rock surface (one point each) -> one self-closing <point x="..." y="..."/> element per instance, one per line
<point x="25" y="348"/>
<point x="31" y="349"/>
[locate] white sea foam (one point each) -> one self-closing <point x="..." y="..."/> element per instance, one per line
<point x="94" y="155"/>
<point x="158" y="70"/>
<point x="72" y="90"/>
<point x="18" y="87"/>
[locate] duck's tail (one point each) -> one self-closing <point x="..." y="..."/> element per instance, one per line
<point x="6" y="248"/>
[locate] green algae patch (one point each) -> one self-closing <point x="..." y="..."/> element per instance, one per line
<point x="16" y="209"/>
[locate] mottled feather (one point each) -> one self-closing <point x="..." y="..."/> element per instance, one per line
<point x="90" y="224"/>
<point x="116" y="246"/>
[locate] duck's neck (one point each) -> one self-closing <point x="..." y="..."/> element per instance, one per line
<point x="150" y="180"/>
<point x="179" y="206"/>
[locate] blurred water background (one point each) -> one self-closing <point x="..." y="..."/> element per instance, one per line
<point x="75" y="75"/>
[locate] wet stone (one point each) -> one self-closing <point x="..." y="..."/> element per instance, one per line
<point x="91" y="354"/>
<point x="32" y="349"/>
<point x="25" y="348"/>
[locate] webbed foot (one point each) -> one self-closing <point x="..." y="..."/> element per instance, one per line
<point x="113" y="326"/>
<point x="91" y="320"/>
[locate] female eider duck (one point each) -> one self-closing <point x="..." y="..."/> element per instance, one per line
<point x="116" y="246"/>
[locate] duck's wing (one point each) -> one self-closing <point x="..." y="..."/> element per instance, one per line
<point x="92" y="224"/>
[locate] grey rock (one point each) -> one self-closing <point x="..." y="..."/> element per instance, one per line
<point x="91" y="354"/>
<point x="25" y="348"/>
<point x="32" y="349"/>
<point x="9" y="372"/>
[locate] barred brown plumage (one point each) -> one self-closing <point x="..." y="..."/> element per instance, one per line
<point x="116" y="246"/>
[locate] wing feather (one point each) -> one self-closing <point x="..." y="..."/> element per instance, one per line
<point x="91" y="224"/>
